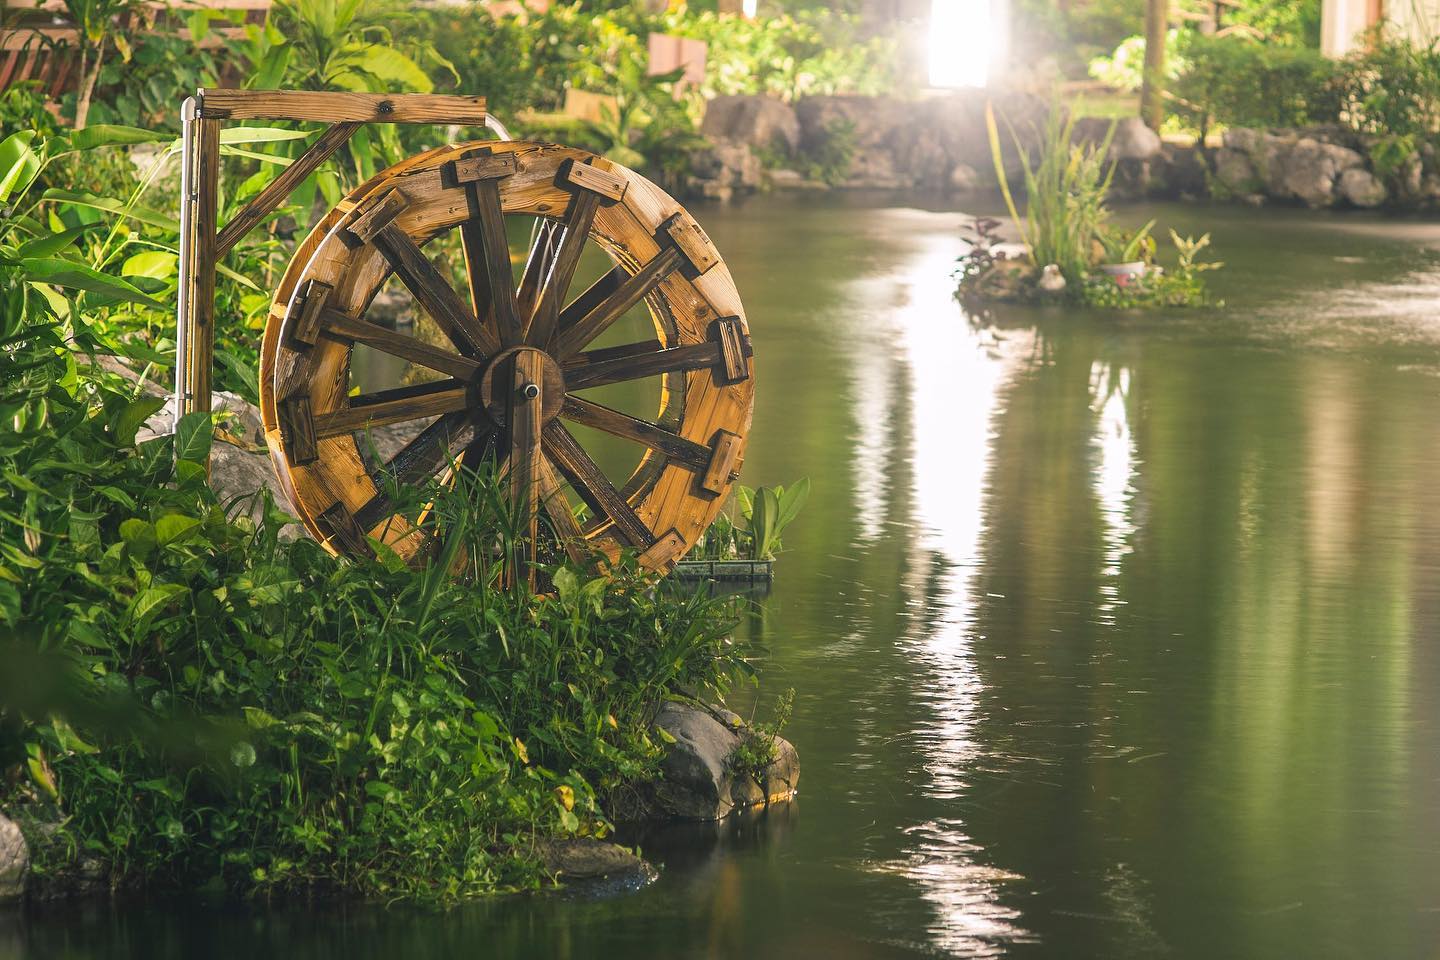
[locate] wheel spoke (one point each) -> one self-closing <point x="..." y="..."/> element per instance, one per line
<point x="585" y="329"/>
<point x="546" y="311"/>
<point x="562" y="517"/>
<point x="592" y="297"/>
<point x="694" y="455"/>
<point x="394" y="406"/>
<point x="634" y="361"/>
<point x="378" y="225"/>
<point x="495" y="252"/>
<point x="523" y="420"/>
<point x="340" y="326"/>
<point x="422" y="458"/>
<point x="472" y="244"/>
<point x="593" y="487"/>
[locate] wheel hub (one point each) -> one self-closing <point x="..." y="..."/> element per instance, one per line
<point x="499" y="387"/>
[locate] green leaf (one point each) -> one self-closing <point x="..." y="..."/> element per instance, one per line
<point x="231" y="135"/>
<point x="791" y="500"/>
<point x="110" y="134"/>
<point x="173" y="527"/>
<point x="193" y="436"/>
<point x="111" y="205"/>
<point x="258" y="719"/>
<point x="77" y="276"/>
<point x="139" y="536"/>
<point x="156" y="264"/>
<point x="132" y="416"/>
<point x="52" y="243"/>
<point x="19" y="166"/>
<point x="152" y="599"/>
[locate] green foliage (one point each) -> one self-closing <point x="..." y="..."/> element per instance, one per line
<point x="1127" y="246"/>
<point x="1180" y="287"/>
<point x="810" y="53"/>
<point x="752" y="531"/>
<point x="1236" y="81"/>
<point x="756" y="749"/>
<point x="248" y="713"/>
<point x="1065" y="190"/>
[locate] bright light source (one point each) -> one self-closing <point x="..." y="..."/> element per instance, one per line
<point x="749" y="8"/>
<point x="964" y="36"/>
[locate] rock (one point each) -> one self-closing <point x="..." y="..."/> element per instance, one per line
<point x="585" y="858"/>
<point x="964" y="178"/>
<point x="1133" y="140"/>
<point x="699" y="782"/>
<point x="758" y="122"/>
<point x="723" y="167"/>
<point x="1360" y="188"/>
<point x="1234" y="172"/>
<point x="1181" y="172"/>
<point x="1253" y="199"/>
<point x="14" y="860"/>
<point x="1306" y="170"/>
<point x="1243" y="139"/>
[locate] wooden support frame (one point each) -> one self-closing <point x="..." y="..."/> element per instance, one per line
<point x="204" y="242"/>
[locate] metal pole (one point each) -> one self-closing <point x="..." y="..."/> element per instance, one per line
<point x="182" y="402"/>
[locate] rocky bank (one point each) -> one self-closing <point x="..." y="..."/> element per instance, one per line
<point x="940" y="145"/>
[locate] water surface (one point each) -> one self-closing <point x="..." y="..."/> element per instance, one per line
<point x="1113" y="635"/>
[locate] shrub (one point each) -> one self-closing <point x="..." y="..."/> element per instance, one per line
<point x="1239" y="82"/>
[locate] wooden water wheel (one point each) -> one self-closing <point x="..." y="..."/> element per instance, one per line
<point x="510" y="377"/>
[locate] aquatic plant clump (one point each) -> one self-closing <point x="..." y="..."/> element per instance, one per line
<point x="1069" y="250"/>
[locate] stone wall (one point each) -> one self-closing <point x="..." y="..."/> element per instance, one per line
<point x="940" y="144"/>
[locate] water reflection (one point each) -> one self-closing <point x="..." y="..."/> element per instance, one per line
<point x="927" y="391"/>
<point x="1114" y="474"/>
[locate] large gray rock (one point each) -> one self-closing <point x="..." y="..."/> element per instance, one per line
<point x="1306" y="169"/>
<point x="1235" y="172"/>
<point x="1133" y="140"/>
<point x="700" y="779"/>
<point x="14" y="860"/>
<point x="759" y="122"/>
<point x="1360" y="188"/>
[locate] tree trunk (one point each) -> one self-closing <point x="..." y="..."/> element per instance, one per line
<point x="1152" y="89"/>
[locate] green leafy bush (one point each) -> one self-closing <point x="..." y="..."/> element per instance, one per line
<point x="251" y="714"/>
<point x="1236" y="81"/>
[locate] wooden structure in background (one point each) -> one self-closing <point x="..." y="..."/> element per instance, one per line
<point x="519" y="356"/>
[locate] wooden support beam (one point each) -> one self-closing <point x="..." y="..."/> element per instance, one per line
<point x="285" y="182"/>
<point x="635" y="361"/>
<point x="202" y="331"/>
<point x="523" y="423"/>
<point x="338" y="107"/>
<point x="344" y="327"/>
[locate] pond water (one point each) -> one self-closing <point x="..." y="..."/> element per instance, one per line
<point x="1112" y="635"/>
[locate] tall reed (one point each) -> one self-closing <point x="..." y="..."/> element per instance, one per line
<point x="1065" y="190"/>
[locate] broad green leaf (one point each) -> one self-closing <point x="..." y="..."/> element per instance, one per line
<point x="109" y="134"/>
<point x="139" y="536"/>
<point x="232" y="135"/>
<point x="791" y="501"/>
<point x="77" y="276"/>
<point x="258" y="719"/>
<point x="156" y="264"/>
<point x="153" y="599"/>
<point x="242" y="754"/>
<point x="52" y="243"/>
<point x="111" y="205"/>
<point x="193" y="436"/>
<point x="229" y="151"/>
<point x="19" y="165"/>
<point x="129" y="420"/>
<point x="173" y="527"/>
